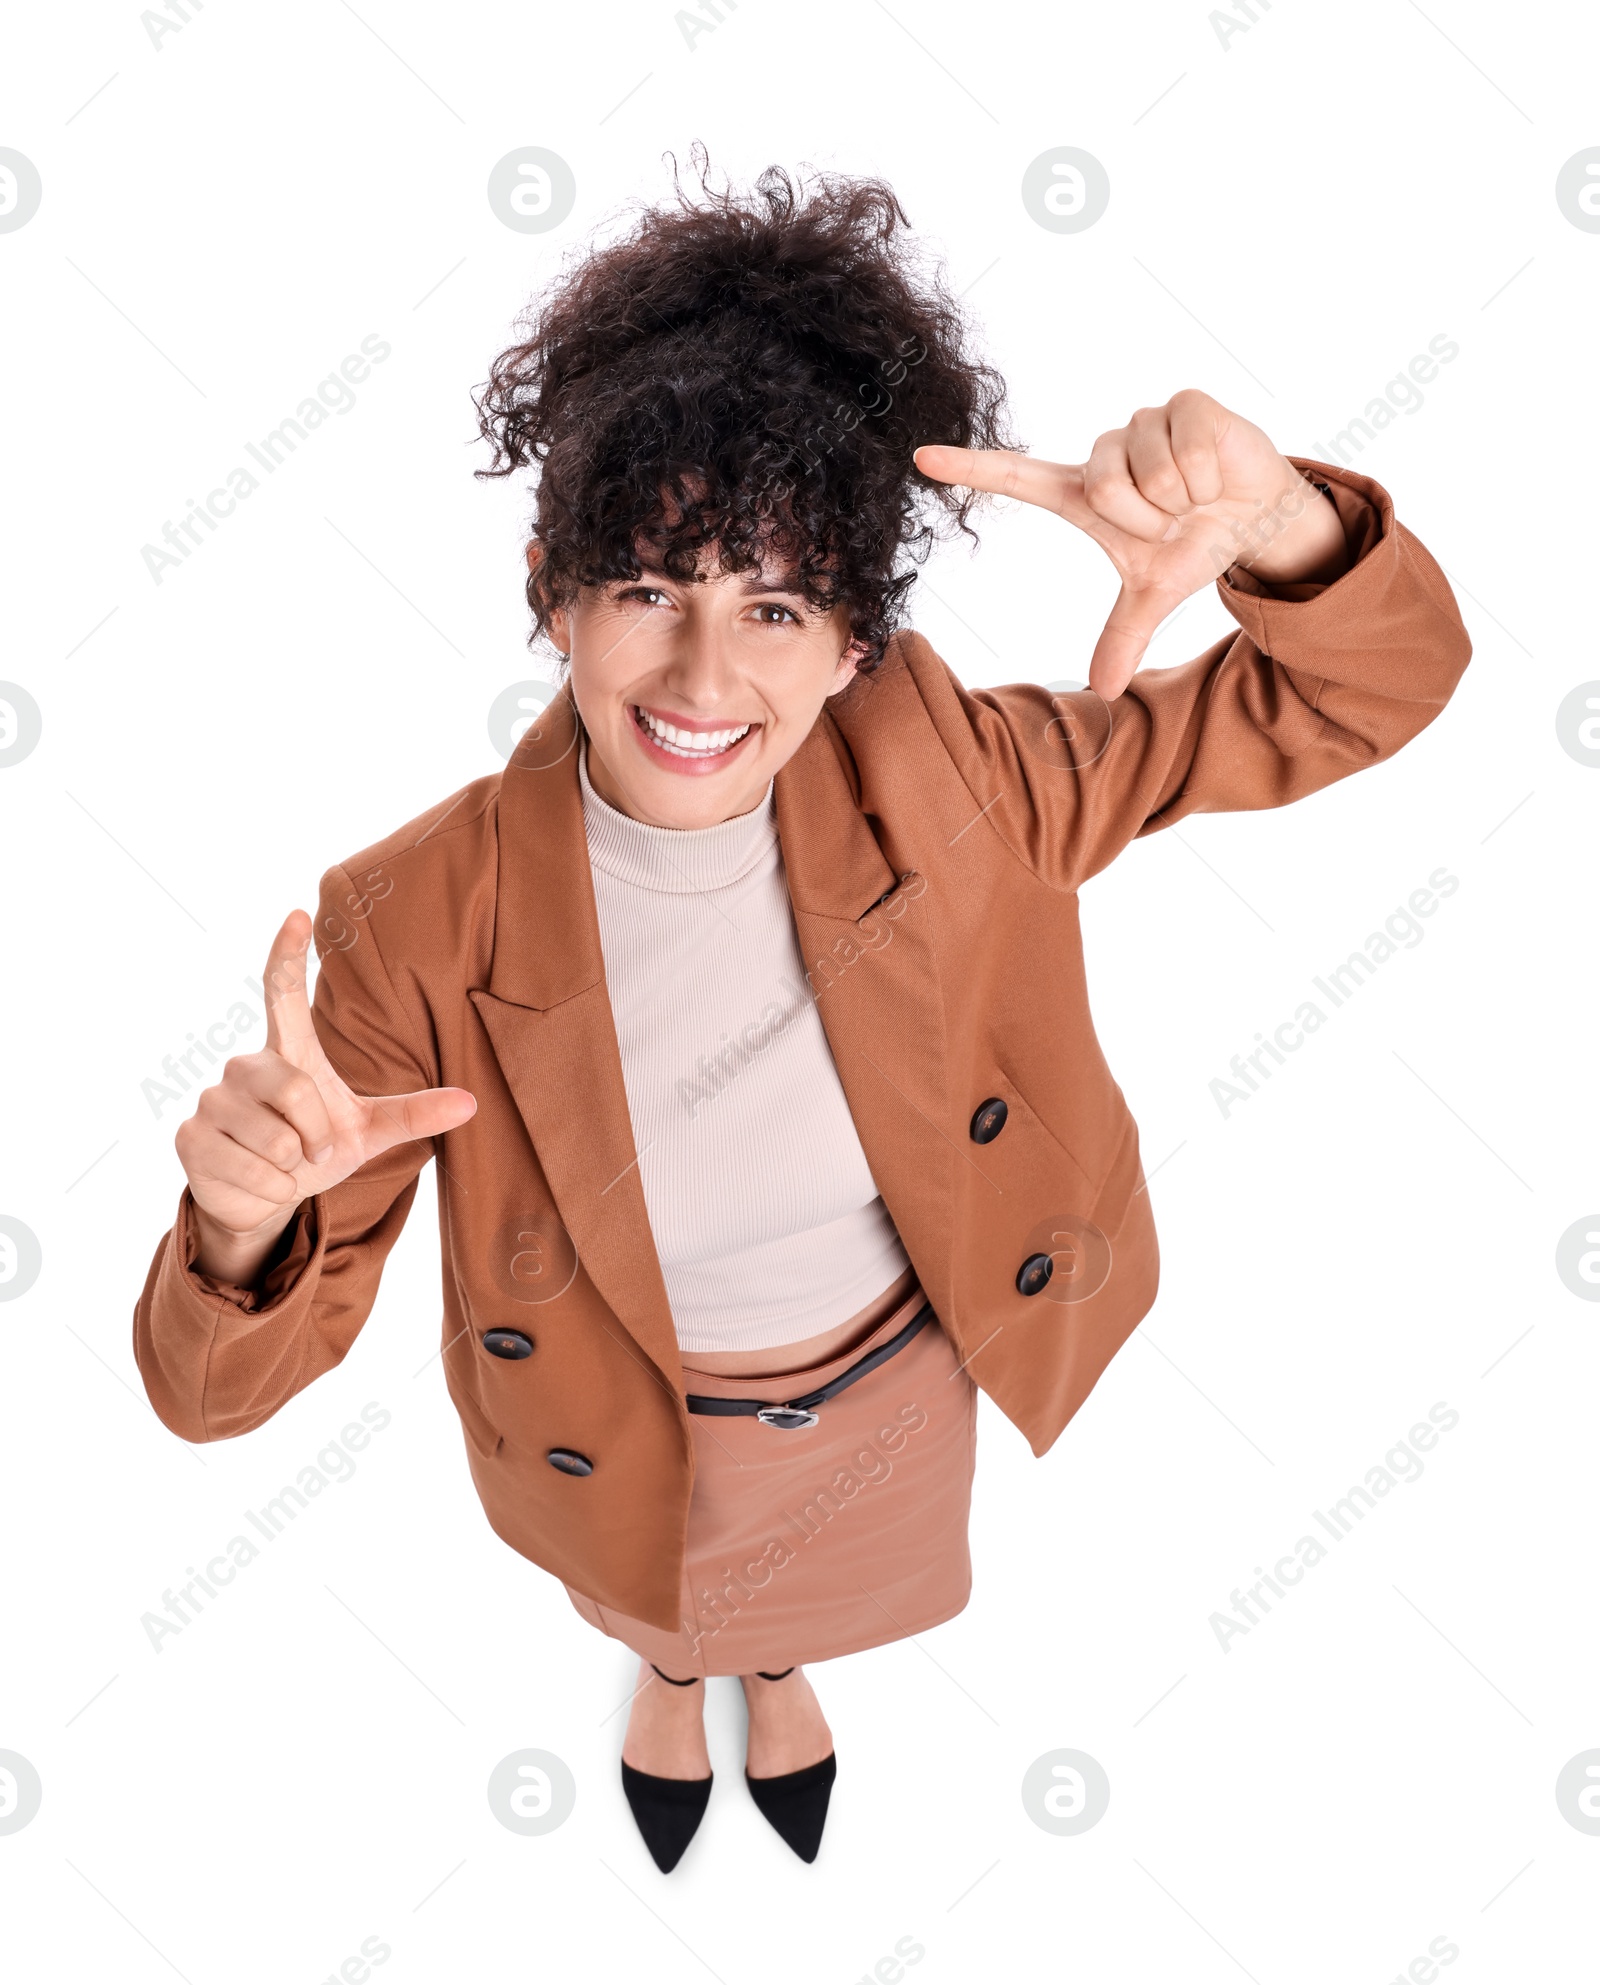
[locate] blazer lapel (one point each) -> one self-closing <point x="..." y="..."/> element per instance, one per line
<point x="550" y="1024"/>
<point x="866" y="939"/>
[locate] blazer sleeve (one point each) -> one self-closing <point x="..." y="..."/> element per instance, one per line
<point x="218" y="1359"/>
<point x="1320" y="680"/>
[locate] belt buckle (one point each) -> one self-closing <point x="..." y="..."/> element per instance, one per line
<point x="790" y="1418"/>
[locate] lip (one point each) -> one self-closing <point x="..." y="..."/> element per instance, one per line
<point x="669" y="761"/>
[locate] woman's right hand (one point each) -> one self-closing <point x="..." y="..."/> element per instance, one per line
<point x="283" y="1124"/>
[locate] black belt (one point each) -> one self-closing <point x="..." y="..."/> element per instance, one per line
<point x="792" y="1414"/>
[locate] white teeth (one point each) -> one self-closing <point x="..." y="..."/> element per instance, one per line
<point x="689" y="744"/>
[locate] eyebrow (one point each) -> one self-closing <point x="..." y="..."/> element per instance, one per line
<point x="749" y="582"/>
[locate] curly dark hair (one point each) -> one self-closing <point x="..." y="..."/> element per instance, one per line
<point x="750" y="372"/>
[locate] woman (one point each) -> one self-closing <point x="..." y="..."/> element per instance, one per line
<point x="744" y="1009"/>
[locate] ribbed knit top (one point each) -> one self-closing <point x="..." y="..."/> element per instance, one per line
<point x="766" y="1218"/>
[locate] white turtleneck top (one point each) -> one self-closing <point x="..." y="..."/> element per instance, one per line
<point x="765" y="1215"/>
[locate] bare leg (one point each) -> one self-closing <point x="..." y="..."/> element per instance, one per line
<point x="666" y="1733"/>
<point x="788" y="1730"/>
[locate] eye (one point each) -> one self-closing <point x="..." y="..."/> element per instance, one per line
<point x="774" y="606"/>
<point x="649" y="596"/>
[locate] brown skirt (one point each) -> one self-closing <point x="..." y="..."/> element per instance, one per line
<point x="809" y="1544"/>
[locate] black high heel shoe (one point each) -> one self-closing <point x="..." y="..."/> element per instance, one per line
<point x="666" y="1810"/>
<point x="795" y="1803"/>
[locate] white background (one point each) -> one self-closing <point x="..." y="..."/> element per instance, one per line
<point x="1373" y="1766"/>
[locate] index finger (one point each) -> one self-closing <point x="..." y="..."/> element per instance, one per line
<point x="1001" y="471"/>
<point x="284" y="985"/>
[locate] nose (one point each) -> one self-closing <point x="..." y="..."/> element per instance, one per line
<point x="701" y="675"/>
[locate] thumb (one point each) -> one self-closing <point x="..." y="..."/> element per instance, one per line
<point x="1138" y="612"/>
<point x="392" y="1120"/>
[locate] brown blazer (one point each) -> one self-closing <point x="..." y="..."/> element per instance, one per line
<point x="934" y="839"/>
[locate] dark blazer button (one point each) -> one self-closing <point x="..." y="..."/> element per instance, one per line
<point x="1034" y="1273"/>
<point x="989" y="1119"/>
<point x="568" y="1462"/>
<point x="508" y="1343"/>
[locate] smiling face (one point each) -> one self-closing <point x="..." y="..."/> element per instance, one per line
<point x="695" y="693"/>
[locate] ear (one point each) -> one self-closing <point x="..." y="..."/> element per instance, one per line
<point x="556" y="620"/>
<point x="845" y="673"/>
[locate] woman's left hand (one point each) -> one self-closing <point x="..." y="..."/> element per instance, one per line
<point x="1174" y="499"/>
